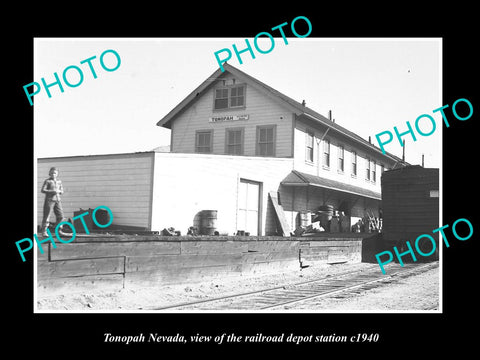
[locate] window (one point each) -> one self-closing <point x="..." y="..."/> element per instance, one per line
<point x="354" y="163"/>
<point x="234" y="141"/>
<point x="229" y="97"/>
<point x="266" y="140"/>
<point x="221" y="99"/>
<point x="374" y="171"/>
<point x="203" y="141"/>
<point x="237" y="97"/>
<point x="309" y="146"/>
<point x="326" y="153"/>
<point x="367" y="168"/>
<point x="341" y="153"/>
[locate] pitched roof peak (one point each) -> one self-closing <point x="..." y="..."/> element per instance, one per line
<point x="300" y="109"/>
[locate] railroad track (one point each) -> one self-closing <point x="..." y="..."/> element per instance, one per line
<point x="281" y="296"/>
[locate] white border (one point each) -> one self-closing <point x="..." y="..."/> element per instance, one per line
<point x="35" y="160"/>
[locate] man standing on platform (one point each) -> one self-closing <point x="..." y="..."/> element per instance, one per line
<point x="52" y="188"/>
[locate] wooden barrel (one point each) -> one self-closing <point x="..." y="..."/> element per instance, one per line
<point x="324" y="219"/>
<point x="305" y="218"/>
<point x="208" y="224"/>
<point x="326" y="209"/>
<point x="87" y="219"/>
<point x="325" y="214"/>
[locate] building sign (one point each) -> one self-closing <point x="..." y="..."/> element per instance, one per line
<point x="222" y="118"/>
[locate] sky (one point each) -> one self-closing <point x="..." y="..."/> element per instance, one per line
<point x="371" y="85"/>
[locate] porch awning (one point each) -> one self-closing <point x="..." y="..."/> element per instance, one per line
<point x="297" y="178"/>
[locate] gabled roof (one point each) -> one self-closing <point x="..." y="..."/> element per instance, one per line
<point x="297" y="178"/>
<point x="284" y="100"/>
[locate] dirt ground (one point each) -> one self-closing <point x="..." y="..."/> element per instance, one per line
<point x="412" y="293"/>
<point x="418" y="292"/>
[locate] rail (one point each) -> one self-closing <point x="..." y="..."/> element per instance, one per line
<point x="288" y="294"/>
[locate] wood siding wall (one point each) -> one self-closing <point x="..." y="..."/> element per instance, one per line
<point x="186" y="184"/>
<point x="261" y="110"/>
<point x="122" y="182"/>
<point x="333" y="172"/>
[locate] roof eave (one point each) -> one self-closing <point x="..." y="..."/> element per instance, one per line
<point x="282" y="99"/>
<point x="373" y="196"/>
<point x="166" y="120"/>
<point x="304" y="181"/>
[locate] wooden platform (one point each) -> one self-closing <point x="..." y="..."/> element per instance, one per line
<point x="99" y="262"/>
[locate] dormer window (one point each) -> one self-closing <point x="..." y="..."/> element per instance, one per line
<point x="229" y="97"/>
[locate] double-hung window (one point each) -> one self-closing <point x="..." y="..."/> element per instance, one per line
<point x="367" y="168"/>
<point x="234" y="141"/>
<point x="309" y="146"/>
<point x="229" y="97"/>
<point x="354" y="163"/>
<point x="221" y="99"/>
<point x="237" y="96"/>
<point x="326" y="153"/>
<point x="374" y="171"/>
<point x="266" y="140"/>
<point x="341" y="155"/>
<point x="204" y="141"/>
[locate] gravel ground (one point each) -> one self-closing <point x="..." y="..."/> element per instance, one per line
<point x="417" y="292"/>
<point x="412" y="293"/>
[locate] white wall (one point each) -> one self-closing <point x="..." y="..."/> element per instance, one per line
<point x="333" y="172"/>
<point x="161" y="190"/>
<point x="185" y="184"/>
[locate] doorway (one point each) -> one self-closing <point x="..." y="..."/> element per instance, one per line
<point x="249" y="207"/>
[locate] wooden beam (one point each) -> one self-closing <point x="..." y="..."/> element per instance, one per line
<point x="280" y="213"/>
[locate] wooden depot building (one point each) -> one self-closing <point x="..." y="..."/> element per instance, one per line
<point x="239" y="149"/>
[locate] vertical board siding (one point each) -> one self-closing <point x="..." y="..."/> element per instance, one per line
<point x="408" y="209"/>
<point x="122" y="182"/>
<point x="261" y="110"/>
